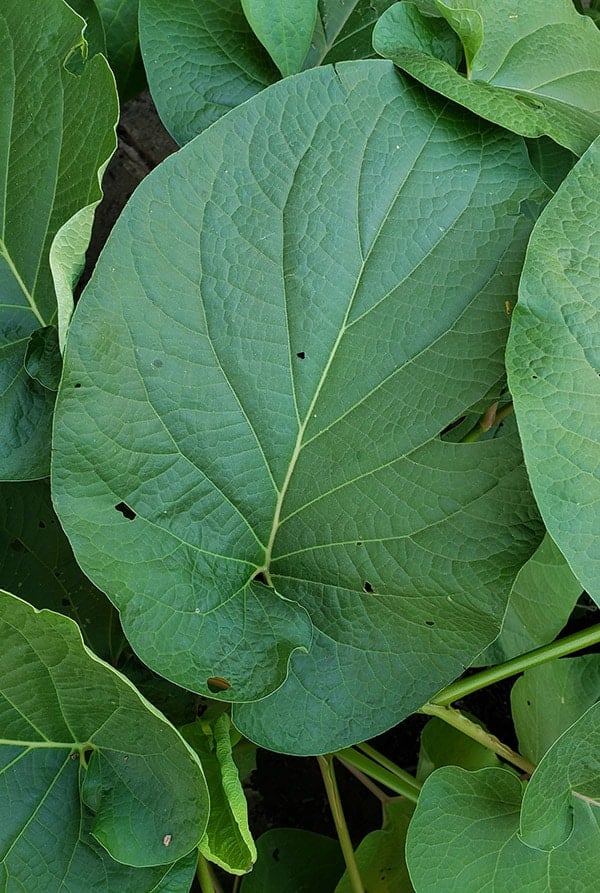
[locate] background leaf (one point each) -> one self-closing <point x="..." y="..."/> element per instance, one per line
<point x="344" y="30"/>
<point x="511" y="77"/>
<point x="547" y="699"/>
<point x="37" y="563"/>
<point x="540" y="603"/>
<point x="457" y="807"/>
<point x="285" y="28"/>
<point x="69" y="721"/>
<point x="280" y="423"/>
<point x="58" y="129"/>
<point x="553" y="364"/>
<point x="94" y="31"/>
<point x="380" y="855"/>
<point x="293" y="861"/>
<point x="442" y="745"/>
<point x="120" y="21"/>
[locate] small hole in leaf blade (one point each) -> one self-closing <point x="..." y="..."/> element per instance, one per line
<point x="430" y="623"/>
<point x="126" y="511"/>
<point x="301" y="355"/>
<point x="367" y="586"/>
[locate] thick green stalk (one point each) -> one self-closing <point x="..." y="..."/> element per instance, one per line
<point x="492" y="416"/>
<point x="456" y="719"/>
<point x="203" y="875"/>
<point x="333" y="795"/>
<point x="397" y="780"/>
<point x="561" y="648"/>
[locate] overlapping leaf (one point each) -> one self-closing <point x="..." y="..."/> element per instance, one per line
<point x="57" y="132"/>
<point x="293" y="861"/>
<point x="284" y="28"/>
<point x="534" y="68"/>
<point x="246" y="448"/>
<point x="120" y="21"/>
<point x="465" y="836"/>
<point x="203" y="58"/>
<point x="553" y="362"/>
<point x="88" y="767"/>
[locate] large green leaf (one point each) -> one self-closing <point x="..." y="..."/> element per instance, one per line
<point x="511" y="76"/>
<point x="84" y="759"/>
<point x="292" y="861"/>
<point x="37" y="563"/>
<point x="540" y="603"/>
<point x="227" y="840"/>
<point x="203" y="58"/>
<point x="120" y="21"/>
<point x="254" y="468"/>
<point x="284" y="28"/>
<point x="56" y="132"/>
<point x="553" y="362"/>
<point x="465" y="836"/>
<point x="548" y="699"/>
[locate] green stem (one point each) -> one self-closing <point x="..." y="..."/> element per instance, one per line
<point x="398" y="781"/>
<point x="390" y="766"/>
<point x="333" y="795"/>
<point x="561" y="648"/>
<point x="366" y="781"/>
<point x="203" y="875"/>
<point x="458" y="721"/>
<point x="492" y="416"/>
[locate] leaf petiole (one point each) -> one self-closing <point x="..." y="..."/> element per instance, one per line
<point x="333" y="795"/>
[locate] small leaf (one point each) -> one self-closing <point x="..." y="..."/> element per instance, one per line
<point x="380" y="855"/>
<point x="72" y="728"/>
<point x="293" y="861"/>
<point x="285" y="28"/>
<point x="511" y="77"/>
<point x="553" y="363"/>
<point x="227" y="840"/>
<point x="546" y="700"/>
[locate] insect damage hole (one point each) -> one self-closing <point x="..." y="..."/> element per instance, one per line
<point x="301" y="355"/>
<point x="126" y="511"/>
<point x="367" y="587"/>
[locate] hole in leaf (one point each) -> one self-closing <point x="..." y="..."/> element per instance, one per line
<point x="217" y="683"/>
<point x="41" y="525"/>
<point x="430" y="623"/>
<point x="276" y="854"/>
<point x="300" y="354"/>
<point x="126" y="511"/>
<point x="260" y="578"/>
<point x="359" y="543"/>
<point x="77" y="385"/>
<point x="367" y="586"/>
<point x="18" y="546"/>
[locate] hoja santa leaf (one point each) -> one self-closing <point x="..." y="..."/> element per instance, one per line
<point x="532" y="67"/>
<point x="56" y="133"/>
<point x="120" y="22"/>
<point x="88" y="768"/>
<point x="203" y="59"/>
<point x="247" y="456"/>
<point x="464" y="835"/>
<point x="284" y="28"/>
<point x="294" y="861"/>
<point x="553" y="362"/>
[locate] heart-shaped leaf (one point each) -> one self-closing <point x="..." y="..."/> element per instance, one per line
<point x="511" y="77"/>
<point x="465" y="836"/>
<point x="85" y="758"/>
<point x="57" y="132"/>
<point x="254" y="467"/>
<point x="553" y="362"/>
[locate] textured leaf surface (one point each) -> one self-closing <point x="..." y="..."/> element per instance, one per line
<point x="278" y="422"/>
<point x="547" y="699"/>
<point x="380" y="855"/>
<point x="37" y="563"/>
<point x="534" y="68"/>
<point x="227" y="840"/>
<point x="458" y="809"/>
<point x="553" y="362"/>
<point x="284" y="28"/>
<point x="293" y="861"/>
<point x="203" y="58"/>
<point x="540" y="603"/>
<point x="84" y="759"/>
<point x="57" y="129"/>
<point x="120" y="21"/>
